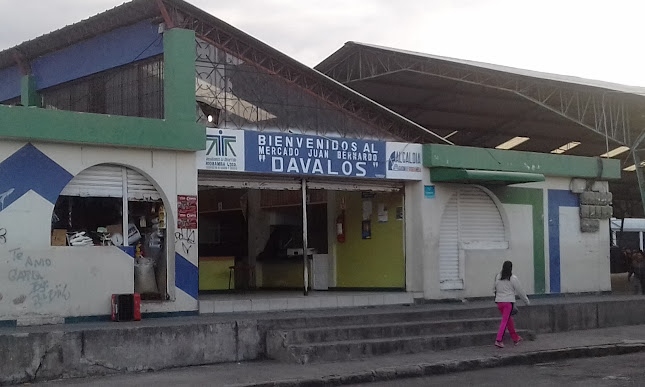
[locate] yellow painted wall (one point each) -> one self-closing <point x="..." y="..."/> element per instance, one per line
<point x="378" y="262"/>
<point x="214" y="272"/>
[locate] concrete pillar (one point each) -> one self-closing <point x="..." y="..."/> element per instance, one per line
<point x="179" y="75"/>
<point x="28" y="94"/>
<point x="258" y="228"/>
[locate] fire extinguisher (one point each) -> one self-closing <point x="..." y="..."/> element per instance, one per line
<point x="340" y="227"/>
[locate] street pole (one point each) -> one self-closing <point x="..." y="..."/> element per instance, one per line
<point x="304" y="236"/>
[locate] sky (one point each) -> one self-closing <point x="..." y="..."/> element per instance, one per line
<point x="586" y="38"/>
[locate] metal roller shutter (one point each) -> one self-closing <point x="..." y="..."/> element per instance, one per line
<point x="108" y="180"/>
<point x="450" y="277"/>
<point x="217" y="180"/>
<point x="140" y="188"/>
<point x="479" y="217"/>
<point x="97" y="181"/>
<point x="470" y="216"/>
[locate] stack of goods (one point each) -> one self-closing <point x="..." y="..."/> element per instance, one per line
<point x="80" y="239"/>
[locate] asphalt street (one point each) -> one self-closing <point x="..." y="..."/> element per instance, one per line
<point x="611" y="371"/>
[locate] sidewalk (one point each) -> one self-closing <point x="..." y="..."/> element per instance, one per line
<point x="547" y="347"/>
<point x="278" y="315"/>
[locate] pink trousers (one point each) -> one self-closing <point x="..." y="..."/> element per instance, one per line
<point x="507" y="321"/>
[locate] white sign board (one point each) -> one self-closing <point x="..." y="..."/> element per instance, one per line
<point x="224" y="151"/>
<point x="404" y="161"/>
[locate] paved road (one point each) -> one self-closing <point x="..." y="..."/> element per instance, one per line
<point x="611" y="371"/>
<point x="626" y="370"/>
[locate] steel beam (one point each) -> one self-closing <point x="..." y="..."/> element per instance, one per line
<point x="604" y="113"/>
<point x="270" y="62"/>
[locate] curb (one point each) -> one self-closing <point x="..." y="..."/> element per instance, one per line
<point x="440" y="368"/>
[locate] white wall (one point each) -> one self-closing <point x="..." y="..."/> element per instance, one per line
<point x="584" y="257"/>
<point x="414" y="236"/>
<point x="481" y="266"/>
<point x="86" y="277"/>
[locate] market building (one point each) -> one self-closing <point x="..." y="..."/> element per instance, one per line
<point x="155" y="149"/>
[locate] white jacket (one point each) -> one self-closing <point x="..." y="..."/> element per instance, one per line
<point x="505" y="290"/>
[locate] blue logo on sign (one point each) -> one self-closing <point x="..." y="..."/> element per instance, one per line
<point x="313" y="155"/>
<point x="398" y="160"/>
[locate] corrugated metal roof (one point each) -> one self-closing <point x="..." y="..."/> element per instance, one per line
<point x="138" y="10"/>
<point x="120" y="16"/>
<point x="352" y="46"/>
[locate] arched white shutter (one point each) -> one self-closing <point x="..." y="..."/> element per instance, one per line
<point x="470" y="218"/>
<point x="140" y="188"/>
<point x="107" y="181"/>
<point x="104" y="181"/>
<point x="479" y="217"/>
<point x="450" y="277"/>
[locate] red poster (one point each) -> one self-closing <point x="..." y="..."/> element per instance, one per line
<point x="187" y="212"/>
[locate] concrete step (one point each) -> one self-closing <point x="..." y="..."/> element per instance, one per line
<point x="376" y="331"/>
<point x="356" y="349"/>
<point x="398" y="316"/>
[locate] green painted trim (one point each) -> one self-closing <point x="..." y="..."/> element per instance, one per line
<point x="452" y="156"/>
<point x="179" y="75"/>
<point x="35" y="124"/>
<point x="28" y="94"/>
<point x="454" y="175"/>
<point x="535" y="198"/>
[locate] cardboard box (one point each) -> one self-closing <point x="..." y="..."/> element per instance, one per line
<point x="59" y="237"/>
<point x="115" y="229"/>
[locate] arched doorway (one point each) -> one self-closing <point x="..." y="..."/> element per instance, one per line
<point x="90" y="212"/>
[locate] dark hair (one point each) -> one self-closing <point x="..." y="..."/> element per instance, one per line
<point x="507" y="270"/>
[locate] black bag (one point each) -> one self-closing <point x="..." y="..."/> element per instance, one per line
<point x="514" y="311"/>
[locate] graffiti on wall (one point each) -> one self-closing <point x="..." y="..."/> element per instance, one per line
<point x="32" y="275"/>
<point x="184" y="241"/>
<point x="186" y="272"/>
<point x="186" y="224"/>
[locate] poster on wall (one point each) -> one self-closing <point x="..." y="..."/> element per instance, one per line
<point x="429" y="191"/>
<point x="187" y="212"/>
<point x="382" y="213"/>
<point x="404" y="161"/>
<point x="224" y="151"/>
<point x="367" y="209"/>
<point x="366" y="229"/>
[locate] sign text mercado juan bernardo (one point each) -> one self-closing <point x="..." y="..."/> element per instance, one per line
<point x="282" y="153"/>
<point x="312" y="155"/>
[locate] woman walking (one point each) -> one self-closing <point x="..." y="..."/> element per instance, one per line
<point x="506" y="286"/>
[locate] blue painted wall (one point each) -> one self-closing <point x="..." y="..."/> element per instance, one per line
<point x="29" y="169"/>
<point x="116" y="48"/>
<point x="186" y="276"/>
<point x="557" y="198"/>
<point x="9" y="83"/>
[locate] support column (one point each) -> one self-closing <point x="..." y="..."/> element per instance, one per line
<point x="305" y="256"/>
<point x="179" y="75"/>
<point x="258" y="226"/>
<point x="640" y="176"/>
<point x="28" y="94"/>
